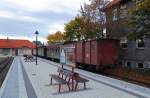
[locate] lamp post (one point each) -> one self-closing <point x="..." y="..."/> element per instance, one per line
<point x="36" y="33"/>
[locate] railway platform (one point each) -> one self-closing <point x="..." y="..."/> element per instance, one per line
<point x="28" y="80"/>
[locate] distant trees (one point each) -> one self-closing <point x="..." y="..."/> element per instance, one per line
<point x="140" y="21"/>
<point x="88" y="24"/>
<point x="56" y="37"/>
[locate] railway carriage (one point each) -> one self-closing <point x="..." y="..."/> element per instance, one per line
<point x="42" y="51"/>
<point x="53" y="52"/>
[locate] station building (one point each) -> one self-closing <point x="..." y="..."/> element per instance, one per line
<point x="15" y="47"/>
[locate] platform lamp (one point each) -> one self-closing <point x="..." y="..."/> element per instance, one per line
<point x="36" y="33"/>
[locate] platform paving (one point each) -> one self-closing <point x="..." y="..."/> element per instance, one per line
<point x="28" y="80"/>
<point x="40" y="80"/>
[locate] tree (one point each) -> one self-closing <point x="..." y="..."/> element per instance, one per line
<point x="88" y="24"/>
<point x="56" y="37"/>
<point x="140" y="21"/>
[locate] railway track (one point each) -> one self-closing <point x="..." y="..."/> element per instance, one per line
<point x="4" y="67"/>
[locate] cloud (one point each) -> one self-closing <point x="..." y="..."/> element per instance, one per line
<point x="6" y="14"/>
<point x="45" y="5"/>
<point x="20" y="18"/>
<point x="10" y="15"/>
<point x="55" y="27"/>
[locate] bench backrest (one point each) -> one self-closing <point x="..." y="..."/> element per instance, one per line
<point x="65" y="72"/>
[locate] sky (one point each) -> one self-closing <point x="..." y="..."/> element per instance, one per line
<point x="19" y="19"/>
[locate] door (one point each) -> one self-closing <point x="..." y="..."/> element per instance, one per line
<point x="16" y="52"/>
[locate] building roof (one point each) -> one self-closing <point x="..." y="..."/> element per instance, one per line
<point x="112" y="3"/>
<point x="15" y="43"/>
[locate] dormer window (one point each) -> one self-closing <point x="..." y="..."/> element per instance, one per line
<point x="114" y="15"/>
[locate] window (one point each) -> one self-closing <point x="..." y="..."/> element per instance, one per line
<point x="128" y="64"/>
<point x="114" y="14"/>
<point x="104" y="33"/>
<point x="140" y="43"/>
<point x="6" y="51"/>
<point x="124" y="43"/>
<point x="147" y="64"/>
<point x="140" y="65"/>
<point x="123" y="11"/>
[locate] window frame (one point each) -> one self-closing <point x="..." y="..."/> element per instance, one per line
<point x="115" y="14"/>
<point x="137" y="44"/>
<point x="126" y="64"/>
<point x="137" y="65"/>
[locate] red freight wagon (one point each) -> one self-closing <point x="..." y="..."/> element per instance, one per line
<point x="98" y="53"/>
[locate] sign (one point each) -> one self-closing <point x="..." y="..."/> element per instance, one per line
<point x="67" y="56"/>
<point x="62" y="57"/>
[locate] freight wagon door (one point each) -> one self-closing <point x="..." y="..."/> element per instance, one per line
<point x="87" y="54"/>
<point x="79" y="52"/>
<point x="94" y="53"/>
<point x="110" y="53"/>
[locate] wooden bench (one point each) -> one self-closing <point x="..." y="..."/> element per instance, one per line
<point x="28" y="58"/>
<point x="77" y="78"/>
<point x="59" y="79"/>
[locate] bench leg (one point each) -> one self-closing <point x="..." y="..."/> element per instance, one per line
<point x="68" y="86"/>
<point x="59" y="88"/>
<point x="51" y="82"/>
<point x="76" y="86"/>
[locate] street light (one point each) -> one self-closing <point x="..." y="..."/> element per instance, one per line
<point x="36" y="33"/>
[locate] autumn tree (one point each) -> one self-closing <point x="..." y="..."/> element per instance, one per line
<point x="56" y="37"/>
<point x="140" y="21"/>
<point x="72" y="30"/>
<point x="93" y="13"/>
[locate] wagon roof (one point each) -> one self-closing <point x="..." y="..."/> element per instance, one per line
<point x="55" y="44"/>
<point x="104" y="39"/>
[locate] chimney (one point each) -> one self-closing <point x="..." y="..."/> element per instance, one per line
<point x="7" y="38"/>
